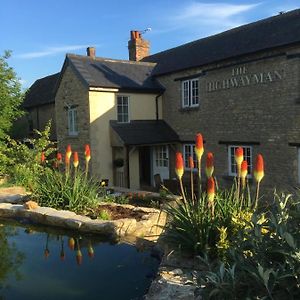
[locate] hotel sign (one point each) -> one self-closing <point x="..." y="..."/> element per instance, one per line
<point x="241" y="78"/>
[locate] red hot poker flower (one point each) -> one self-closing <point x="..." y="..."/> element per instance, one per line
<point x="87" y="152"/>
<point x="259" y="168"/>
<point x="67" y="160"/>
<point x="244" y="169"/>
<point x="79" y="257"/>
<point x="91" y="251"/>
<point x="43" y="157"/>
<point x="199" y="146"/>
<point x="179" y="166"/>
<point x="46" y="253"/>
<point x="59" y="157"/>
<point x="191" y="163"/>
<point x="71" y="243"/>
<point x="69" y="151"/>
<point x="239" y="157"/>
<point x="210" y="189"/>
<point x="75" y="160"/>
<point x="209" y="169"/>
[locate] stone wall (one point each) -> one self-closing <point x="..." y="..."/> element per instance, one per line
<point x="40" y="116"/>
<point x="72" y="91"/>
<point x="264" y="111"/>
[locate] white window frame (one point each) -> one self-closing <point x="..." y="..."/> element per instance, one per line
<point x="190" y="93"/>
<point x="232" y="162"/>
<point x="72" y="121"/>
<point x="187" y="154"/>
<point x="161" y="156"/>
<point x="121" y="115"/>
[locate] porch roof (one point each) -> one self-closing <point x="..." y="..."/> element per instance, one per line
<point x="144" y="132"/>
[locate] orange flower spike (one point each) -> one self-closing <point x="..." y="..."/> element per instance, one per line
<point x="69" y="151"/>
<point x="179" y="166"/>
<point x="67" y="160"/>
<point x="59" y="157"/>
<point x="79" y="257"/>
<point x="91" y="252"/>
<point x="191" y="163"/>
<point x="239" y="157"/>
<point x="210" y="189"/>
<point x="75" y="160"/>
<point x="87" y="152"/>
<point x="46" y="253"/>
<point x="259" y="168"/>
<point x="209" y="168"/>
<point x="43" y="157"/>
<point x="71" y="243"/>
<point x="244" y="169"/>
<point x="199" y="146"/>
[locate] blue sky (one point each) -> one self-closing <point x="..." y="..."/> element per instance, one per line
<point x="41" y="32"/>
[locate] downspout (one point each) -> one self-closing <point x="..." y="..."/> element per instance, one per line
<point x="156" y="104"/>
<point x="127" y="166"/>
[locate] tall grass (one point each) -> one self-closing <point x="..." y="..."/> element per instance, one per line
<point x="72" y="192"/>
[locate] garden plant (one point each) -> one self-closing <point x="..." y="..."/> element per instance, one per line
<point x="245" y="250"/>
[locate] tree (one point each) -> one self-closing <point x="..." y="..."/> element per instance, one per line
<point x="11" y="95"/>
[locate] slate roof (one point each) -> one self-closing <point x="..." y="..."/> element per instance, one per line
<point x="41" y="92"/>
<point x="145" y="132"/>
<point x="265" y="34"/>
<point x="111" y="73"/>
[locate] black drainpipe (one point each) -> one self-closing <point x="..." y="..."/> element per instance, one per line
<point x="156" y="104"/>
<point x="127" y="166"/>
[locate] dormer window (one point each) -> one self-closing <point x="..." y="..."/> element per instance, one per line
<point x="190" y="93"/>
<point x="123" y="109"/>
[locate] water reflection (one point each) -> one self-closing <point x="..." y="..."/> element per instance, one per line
<point x="75" y="245"/>
<point x="10" y="257"/>
<point x="78" y="266"/>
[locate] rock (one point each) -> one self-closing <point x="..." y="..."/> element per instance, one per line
<point x="30" y="205"/>
<point x="176" y="272"/>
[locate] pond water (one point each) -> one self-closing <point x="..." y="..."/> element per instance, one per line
<point x="46" y="263"/>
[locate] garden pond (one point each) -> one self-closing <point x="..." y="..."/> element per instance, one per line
<point x="48" y="263"/>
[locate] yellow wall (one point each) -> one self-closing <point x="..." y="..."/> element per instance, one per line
<point x="102" y="106"/>
<point x="142" y="106"/>
<point x="102" y="110"/>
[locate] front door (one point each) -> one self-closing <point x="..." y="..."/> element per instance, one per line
<point x="160" y="162"/>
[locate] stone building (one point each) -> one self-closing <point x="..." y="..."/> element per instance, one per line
<point x="39" y="103"/>
<point x="238" y="88"/>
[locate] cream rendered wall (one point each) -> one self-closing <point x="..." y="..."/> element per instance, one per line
<point x="142" y="106"/>
<point x="103" y="108"/>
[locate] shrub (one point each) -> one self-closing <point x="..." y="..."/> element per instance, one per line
<point x="21" y="161"/>
<point x="263" y="261"/>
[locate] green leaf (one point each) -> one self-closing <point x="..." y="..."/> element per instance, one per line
<point x="290" y="240"/>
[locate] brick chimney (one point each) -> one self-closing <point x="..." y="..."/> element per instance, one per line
<point x="137" y="46"/>
<point x="91" y="52"/>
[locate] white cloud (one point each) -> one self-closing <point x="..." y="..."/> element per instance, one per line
<point x="207" y="17"/>
<point x="51" y="51"/>
<point x="213" y="10"/>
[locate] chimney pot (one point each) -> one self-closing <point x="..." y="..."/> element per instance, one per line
<point x="91" y="52"/>
<point x="137" y="46"/>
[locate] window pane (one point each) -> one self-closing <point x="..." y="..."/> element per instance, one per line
<point x="122" y="109"/>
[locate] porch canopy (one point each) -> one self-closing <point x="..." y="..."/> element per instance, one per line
<point x="144" y="132"/>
